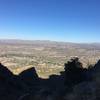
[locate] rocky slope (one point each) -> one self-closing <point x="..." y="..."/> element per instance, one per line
<point x="75" y="83"/>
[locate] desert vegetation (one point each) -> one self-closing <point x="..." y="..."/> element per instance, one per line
<point x="47" y="57"/>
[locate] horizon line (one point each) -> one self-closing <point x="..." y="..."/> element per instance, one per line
<point x="18" y="39"/>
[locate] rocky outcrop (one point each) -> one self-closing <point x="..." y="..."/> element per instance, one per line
<point x="8" y="89"/>
<point x="87" y="90"/>
<point x="75" y="83"/>
<point x="29" y="77"/>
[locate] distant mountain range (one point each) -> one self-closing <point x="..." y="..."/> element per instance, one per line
<point x="48" y="42"/>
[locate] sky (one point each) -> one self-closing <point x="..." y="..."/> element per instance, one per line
<point x="55" y="20"/>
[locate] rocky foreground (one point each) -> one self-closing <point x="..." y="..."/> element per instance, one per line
<point x="75" y="83"/>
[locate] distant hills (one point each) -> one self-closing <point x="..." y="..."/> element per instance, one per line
<point x="51" y="43"/>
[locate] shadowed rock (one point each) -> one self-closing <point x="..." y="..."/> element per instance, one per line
<point x="5" y="73"/>
<point x="8" y="84"/>
<point x="29" y="77"/>
<point x="84" y="84"/>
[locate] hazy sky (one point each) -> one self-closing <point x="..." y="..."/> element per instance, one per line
<point x="59" y="20"/>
